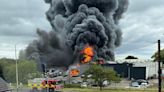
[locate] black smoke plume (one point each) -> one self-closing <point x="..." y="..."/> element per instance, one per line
<point x="75" y="24"/>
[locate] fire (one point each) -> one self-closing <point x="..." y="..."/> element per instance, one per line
<point x="87" y="54"/>
<point x="88" y="51"/>
<point x="74" y="72"/>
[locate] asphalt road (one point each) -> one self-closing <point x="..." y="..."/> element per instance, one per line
<point x="22" y="90"/>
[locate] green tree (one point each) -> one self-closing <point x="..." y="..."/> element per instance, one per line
<point x="26" y="70"/>
<point x="9" y="73"/>
<point x="155" y="56"/>
<point x="1" y="72"/>
<point x="100" y="74"/>
<point x="4" y="62"/>
<point x="131" y="57"/>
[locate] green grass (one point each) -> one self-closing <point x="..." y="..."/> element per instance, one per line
<point x="108" y="90"/>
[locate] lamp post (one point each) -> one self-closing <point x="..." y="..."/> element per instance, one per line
<point x="16" y="62"/>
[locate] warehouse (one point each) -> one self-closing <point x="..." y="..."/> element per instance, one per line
<point x="135" y="69"/>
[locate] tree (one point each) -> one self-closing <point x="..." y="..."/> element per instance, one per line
<point x="131" y="57"/>
<point x="1" y="72"/>
<point x="155" y="56"/>
<point x="4" y="62"/>
<point x="100" y="74"/>
<point x="26" y="70"/>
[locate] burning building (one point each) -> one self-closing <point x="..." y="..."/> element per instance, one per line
<point x="82" y="31"/>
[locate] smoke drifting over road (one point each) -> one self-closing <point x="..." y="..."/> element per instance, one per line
<point x="76" y="24"/>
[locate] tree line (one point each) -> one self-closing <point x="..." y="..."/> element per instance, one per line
<point x="26" y="70"/>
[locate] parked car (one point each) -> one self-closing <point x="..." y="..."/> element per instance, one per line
<point x="135" y="84"/>
<point x="139" y="83"/>
<point x="105" y="83"/>
<point x="84" y="84"/>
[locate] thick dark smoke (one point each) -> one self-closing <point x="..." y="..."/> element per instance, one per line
<point x="49" y="50"/>
<point x="77" y="23"/>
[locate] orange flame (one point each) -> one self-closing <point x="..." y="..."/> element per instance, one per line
<point x="88" y="54"/>
<point x="74" y="72"/>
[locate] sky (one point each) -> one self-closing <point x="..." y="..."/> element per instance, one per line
<point x="142" y="25"/>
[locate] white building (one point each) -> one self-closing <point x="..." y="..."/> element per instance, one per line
<point x="150" y="65"/>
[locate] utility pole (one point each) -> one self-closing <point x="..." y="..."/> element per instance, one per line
<point x="16" y="61"/>
<point x="159" y="67"/>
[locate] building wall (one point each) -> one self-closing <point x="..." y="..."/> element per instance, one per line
<point x="147" y="68"/>
<point x="122" y="69"/>
<point x="151" y="66"/>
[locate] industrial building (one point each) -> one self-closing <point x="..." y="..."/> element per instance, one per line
<point x="135" y="68"/>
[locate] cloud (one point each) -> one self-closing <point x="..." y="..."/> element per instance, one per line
<point x="19" y="20"/>
<point x="141" y="30"/>
<point x="143" y="5"/>
<point x="142" y="26"/>
<point x="8" y="49"/>
<point x="22" y="27"/>
<point x="22" y="17"/>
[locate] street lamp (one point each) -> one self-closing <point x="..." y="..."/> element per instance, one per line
<point x="16" y="61"/>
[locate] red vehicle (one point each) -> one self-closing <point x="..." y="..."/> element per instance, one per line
<point x="52" y="85"/>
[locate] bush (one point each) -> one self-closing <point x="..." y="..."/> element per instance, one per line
<point x="72" y="86"/>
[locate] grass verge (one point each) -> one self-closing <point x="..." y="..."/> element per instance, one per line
<point x="108" y="90"/>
